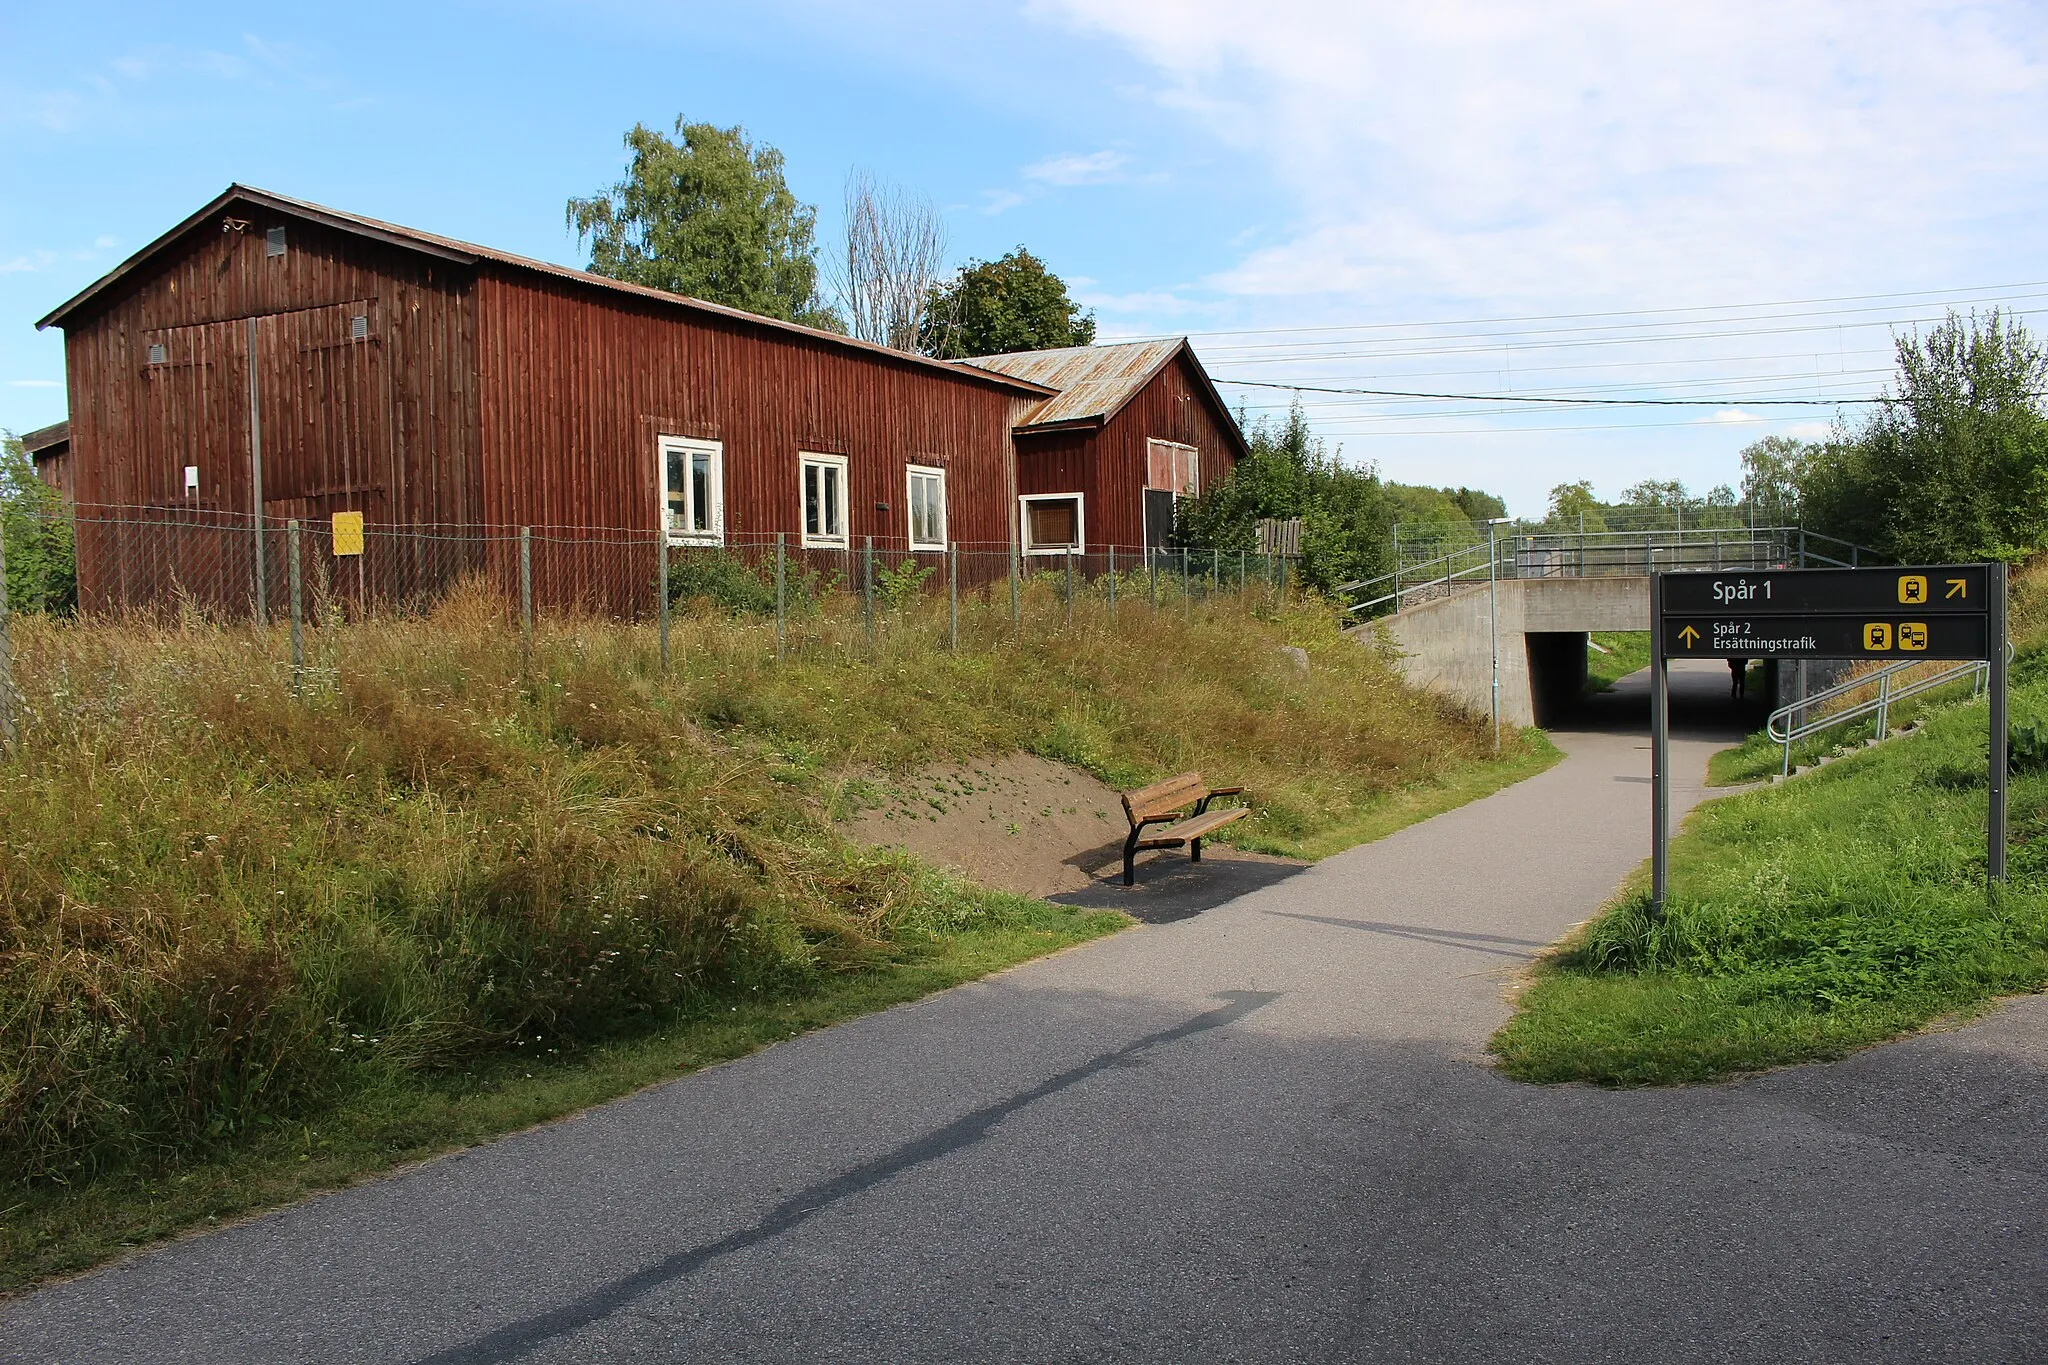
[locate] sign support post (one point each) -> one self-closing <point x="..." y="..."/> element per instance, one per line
<point x="1660" y="754"/>
<point x="1994" y="860"/>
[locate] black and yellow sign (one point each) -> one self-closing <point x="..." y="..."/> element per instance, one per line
<point x="1924" y="588"/>
<point x="1825" y="637"/>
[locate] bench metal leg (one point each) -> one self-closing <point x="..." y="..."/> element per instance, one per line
<point x="1131" y="859"/>
<point x="1195" y="851"/>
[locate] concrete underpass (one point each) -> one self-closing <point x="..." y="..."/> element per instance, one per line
<point x="1447" y="643"/>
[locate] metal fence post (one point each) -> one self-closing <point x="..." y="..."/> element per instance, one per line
<point x="953" y="596"/>
<point x="1070" y="585"/>
<point x="781" y="591"/>
<point x="661" y="593"/>
<point x="292" y="573"/>
<point x="1240" y="574"/>
<point x="8" y="733"/>
<point x="867" y="584"/>
<point x="1112" y="583"/>
<point x="526" y="588"/>
<point x="1187" y="586"/>
<point x="1016" y="607"/>
<point x="1152" y="576"/>
<point x="1215" y="570"/>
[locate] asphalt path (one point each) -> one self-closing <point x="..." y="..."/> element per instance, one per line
<point x="1261" y="1132"/>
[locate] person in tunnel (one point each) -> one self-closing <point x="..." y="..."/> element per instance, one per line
<point x="1738" y="678"/>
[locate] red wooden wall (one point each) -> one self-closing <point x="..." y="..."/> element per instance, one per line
<point x="1109" y="463"/>
<point x="579" y="386"/>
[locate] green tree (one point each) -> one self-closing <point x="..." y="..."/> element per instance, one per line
<point x="710" y="217"/>
<point x="42" y="560"/>
<point x="1954" y="465"/>
<point x="1573" y="507"/>
<point x="994" y="307"/>
<point x="1290" y="472"/>
<point x="1771" y="471"/>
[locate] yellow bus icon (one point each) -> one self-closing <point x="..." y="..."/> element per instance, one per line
<point x="1912" y="588"/>
<point x="1912" y="635"/>
<point x="1877" y="635"/>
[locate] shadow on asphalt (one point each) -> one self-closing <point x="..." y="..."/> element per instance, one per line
<point x="1170" y="886"/>
<point x="1700" y="706"/>
<point x="1521" y="949"/>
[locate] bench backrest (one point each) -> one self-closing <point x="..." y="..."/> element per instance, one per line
<point x="1162" y="798"/>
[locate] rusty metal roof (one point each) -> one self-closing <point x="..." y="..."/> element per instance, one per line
<point x="468" y="253"/>
<point x="46" y="438"/>
<point x="1094" y="382"/>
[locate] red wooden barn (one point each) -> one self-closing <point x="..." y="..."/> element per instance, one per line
<point x="269" y="359"/>
<point x="1135" y="426"/>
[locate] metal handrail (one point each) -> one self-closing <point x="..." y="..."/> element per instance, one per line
<point x="1430" y="581"/>
<point x="1788" y="734"/>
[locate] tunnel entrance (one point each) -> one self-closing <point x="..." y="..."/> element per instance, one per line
<point x="1557" y="673"/>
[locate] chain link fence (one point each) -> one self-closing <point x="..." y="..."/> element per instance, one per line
<point x="182" y="564"/>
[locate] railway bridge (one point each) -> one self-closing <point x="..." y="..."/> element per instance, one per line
<point x="1519" y="608"/>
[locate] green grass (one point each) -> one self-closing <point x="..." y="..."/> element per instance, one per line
<point x="1759" y="757"/>
<point x="234" y="923"/>
<point x="1806" y="919"/>
<point x="1628" y="651"/>
<point x="51" y="1229"/>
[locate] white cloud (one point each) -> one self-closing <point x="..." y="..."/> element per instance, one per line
<point x="1605" y="149"/>
<point x="1733" y="417"/>
<point x="1000" y="201"/>
<point x="35" y="383"/>
<point x="1078" y="168"/>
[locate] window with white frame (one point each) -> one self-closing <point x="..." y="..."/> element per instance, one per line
<point x="1052" y="523"/>
<point x="927" y="503"/>
<point x="1174" y="467"/>
<point x="692" y="491"/>
<point x="824" y="497"/>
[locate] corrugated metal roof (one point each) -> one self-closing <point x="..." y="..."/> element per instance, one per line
<point x="1094" y="382"/>
<point x="468" y="253"/>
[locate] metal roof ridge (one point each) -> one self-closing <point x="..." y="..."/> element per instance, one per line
<point x="468" y="253"/>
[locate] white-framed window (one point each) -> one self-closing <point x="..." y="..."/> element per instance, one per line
<point x="1174" y="467"/>
<point x="1053" y="523"/>
<point x="692" y="490"/>
<point x="927" y="504"/>
<point x="823" y="490"/>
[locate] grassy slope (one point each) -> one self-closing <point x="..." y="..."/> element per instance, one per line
<point x="1627" y="652"/>
<point x="251" y="947"/>
<point x="1810" y="918"/>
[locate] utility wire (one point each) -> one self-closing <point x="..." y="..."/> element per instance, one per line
<point x="1576" y="402"/>
<point x="1618" y="313"/>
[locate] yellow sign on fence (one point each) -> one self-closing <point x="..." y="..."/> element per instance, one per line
<point x="348" y="533"/>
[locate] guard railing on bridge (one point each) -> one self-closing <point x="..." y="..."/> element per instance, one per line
<point x="1598" y="554"/>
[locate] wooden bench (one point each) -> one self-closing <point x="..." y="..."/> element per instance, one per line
<point x="1166" y="803"/>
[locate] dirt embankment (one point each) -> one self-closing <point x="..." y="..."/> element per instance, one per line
<point x="1020" y="823"/>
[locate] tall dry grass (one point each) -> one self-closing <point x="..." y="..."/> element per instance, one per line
<point x="221" y="904"/>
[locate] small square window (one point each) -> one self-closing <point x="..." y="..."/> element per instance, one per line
<point x="157" y="354"/>
<point x="927" y="504"/>
<point x="359" y="327"/>
<point x="824" y="498"/>
<point x="273" y="242"/>
<point x="693" y="491"/>
<point x="1052" y="524"/>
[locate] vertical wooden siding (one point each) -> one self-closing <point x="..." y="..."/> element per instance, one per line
<point x="578" y="386"/>
<point x="1108" y="464"/>
<point x="385" y="424"/>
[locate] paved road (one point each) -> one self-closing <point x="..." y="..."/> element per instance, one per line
<point x="1260" y="1133"/>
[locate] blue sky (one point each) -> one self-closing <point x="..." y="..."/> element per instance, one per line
<point x="1331" y="194"/>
